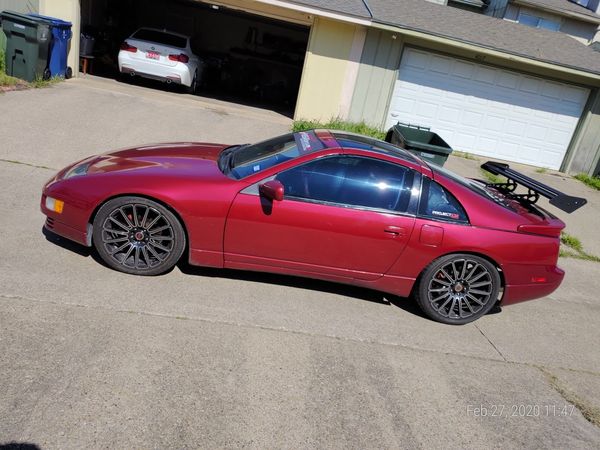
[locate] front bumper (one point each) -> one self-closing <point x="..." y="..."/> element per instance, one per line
<point x="63" y="224"/>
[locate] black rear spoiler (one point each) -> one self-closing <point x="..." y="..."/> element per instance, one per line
<point x="557" y="198"/>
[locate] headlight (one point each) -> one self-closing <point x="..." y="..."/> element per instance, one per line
<point x="78" y="170"/>
<point x="55" y="205"/>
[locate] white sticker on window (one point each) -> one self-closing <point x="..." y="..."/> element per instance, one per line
<point x="445" y="214"/>
<point x="256" y="168"/>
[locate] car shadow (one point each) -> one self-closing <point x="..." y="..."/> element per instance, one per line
<point x="360" y="293"/>
<point x="406" y="304"/>
<point x="60" y="241"/>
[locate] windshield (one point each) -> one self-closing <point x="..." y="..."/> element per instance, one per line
<point x="246" y="160"/>
<point x="160" y="37"/>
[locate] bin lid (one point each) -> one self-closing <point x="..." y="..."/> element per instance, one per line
<point x="51" y="20"/>
<point x="13" y="16"/>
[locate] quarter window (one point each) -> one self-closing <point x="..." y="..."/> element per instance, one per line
<point x="438" y="203"/>
<point x="351" y="181"/>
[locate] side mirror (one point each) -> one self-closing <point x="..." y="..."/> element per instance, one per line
<point x="273" y="190"/>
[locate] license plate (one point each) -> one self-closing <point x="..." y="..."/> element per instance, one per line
<point x="152" y="55"/>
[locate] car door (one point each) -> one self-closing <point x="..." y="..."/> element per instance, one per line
<point x="342" y="215"/>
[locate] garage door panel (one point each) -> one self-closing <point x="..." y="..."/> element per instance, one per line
<point x="463" y="70"/>
<point x="508" y="80"/>
<point x="440" y="64"/>
<point x="485" y="75"/>
<point x="487" y="111"/>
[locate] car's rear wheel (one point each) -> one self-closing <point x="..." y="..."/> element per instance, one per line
<point x="194" y="86"/>
<point x="458" y="289"/>
<point x="138" y="236"/>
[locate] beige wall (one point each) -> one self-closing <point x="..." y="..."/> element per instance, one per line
<point x="325" y="78"/>
<point x="66" y="10"/>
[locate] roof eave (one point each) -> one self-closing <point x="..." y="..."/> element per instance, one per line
<point x="330" y="14"/>
<point x="594" y="77"/>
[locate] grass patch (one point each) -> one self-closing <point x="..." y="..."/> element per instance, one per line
<point x="541" y="170"/>
<point x="337" y="124"/>
<point x="593" y="182"/>
<point x="39" y="82"/>
<point x="7" y="80"/>
<point x="590" y="412"/>
<point x="491" y="178"/>
<point x="571" y="241"/>
<point x="464" y="155"/>
<point x="573" y="248"/>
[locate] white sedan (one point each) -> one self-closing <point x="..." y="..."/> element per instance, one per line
<point x="161" y="55"/>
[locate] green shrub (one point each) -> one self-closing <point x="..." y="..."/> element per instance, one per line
<point x="2" y="62"/>
<point x="342" y="125"/>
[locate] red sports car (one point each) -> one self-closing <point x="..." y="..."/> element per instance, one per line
<point x="319" y="204"/>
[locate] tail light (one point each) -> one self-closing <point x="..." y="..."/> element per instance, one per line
<point x="182" y="57"/>
<point x="544" y="230"/>
<point x="128" y="48"/>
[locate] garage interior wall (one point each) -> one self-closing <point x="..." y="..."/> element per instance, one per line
<point x="68" y="10"/>
<point x="585" y="148"/>
<point x="376" y="77"/>
<point x="325" y="68"/>
<point x="20" y="6"/>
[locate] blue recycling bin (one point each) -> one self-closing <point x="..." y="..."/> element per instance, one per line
<point x="59" y="47"/>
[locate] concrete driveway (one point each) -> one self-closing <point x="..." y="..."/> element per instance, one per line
<point x="198" y="358"/>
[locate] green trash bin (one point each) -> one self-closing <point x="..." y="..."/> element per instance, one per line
<point x="421" y="141"/>
<point x="27" y="46"/>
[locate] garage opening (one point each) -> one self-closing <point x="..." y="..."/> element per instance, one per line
<point x="248" y="58"/>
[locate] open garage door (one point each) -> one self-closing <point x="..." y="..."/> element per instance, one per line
<point x="486" y="110"/>
<point x="248" y="58"/>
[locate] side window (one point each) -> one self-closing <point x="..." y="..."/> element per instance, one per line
<point x="437" y="203"/>
<point x="351" y="181"/>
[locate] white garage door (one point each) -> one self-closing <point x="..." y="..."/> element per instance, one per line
<point x="485" y="110"/>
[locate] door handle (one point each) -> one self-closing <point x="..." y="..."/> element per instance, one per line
<point x="395" y="231"/>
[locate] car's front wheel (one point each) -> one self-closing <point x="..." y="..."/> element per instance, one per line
<point x="458" y="289"/>
<point x="138" y="236"/>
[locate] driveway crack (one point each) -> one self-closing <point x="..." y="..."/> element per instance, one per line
<point x="491" y="343"/>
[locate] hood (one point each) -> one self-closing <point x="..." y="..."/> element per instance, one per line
<point x="181" y="156"/>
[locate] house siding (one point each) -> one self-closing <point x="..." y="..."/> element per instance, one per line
<point x="328" y="59"/>
<point x="584" y="155"/>
<point x="376" y="77"/>
<point x="21" y="6"/>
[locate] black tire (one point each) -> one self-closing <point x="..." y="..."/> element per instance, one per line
<point x="138" y="236"/>
<point x="458" y="289"/>
<point x="194" y="86"/>
<point x="68" y="73"/>
<point x="47" y="74"/>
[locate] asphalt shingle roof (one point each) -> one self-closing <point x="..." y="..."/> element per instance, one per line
<point x="564" y="5"/>
<point x="351" y="7"/>
<point x="488" y="32"/>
